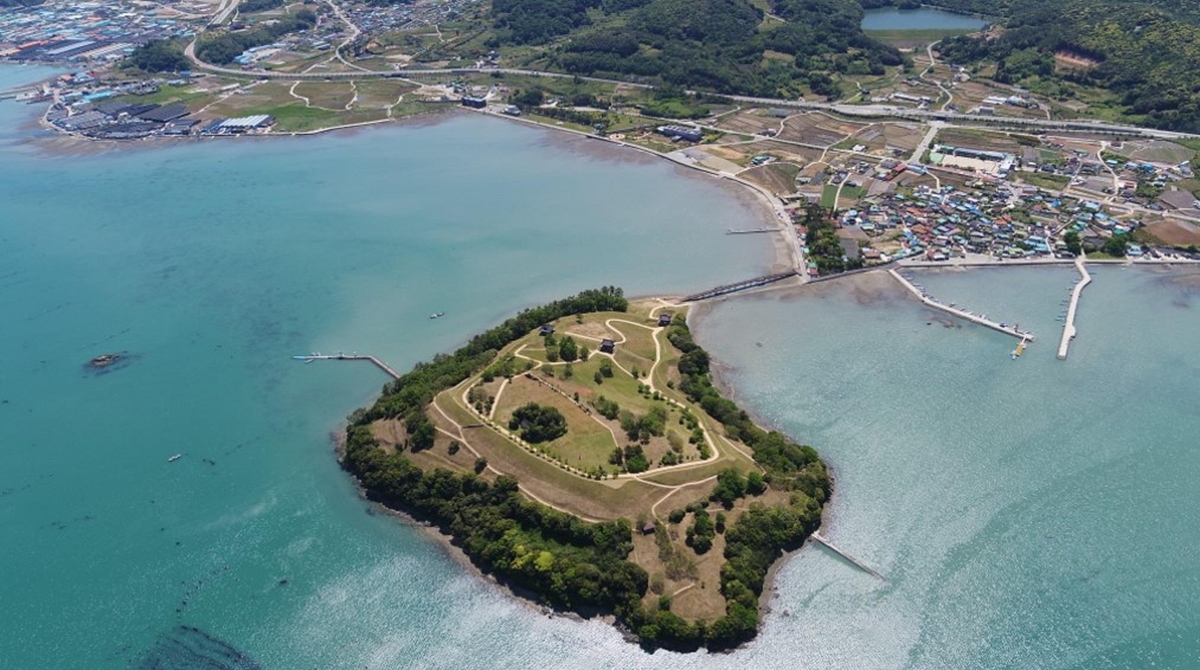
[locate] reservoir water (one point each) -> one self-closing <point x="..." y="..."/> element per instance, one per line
<point x="1031" y="513"/>
<point x="926" y="18"/>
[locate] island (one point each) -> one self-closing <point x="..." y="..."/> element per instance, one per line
<point x="580" y="454"/>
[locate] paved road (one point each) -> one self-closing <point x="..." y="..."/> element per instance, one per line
<point x="865" y="111"/>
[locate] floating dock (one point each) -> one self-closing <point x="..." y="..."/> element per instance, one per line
<point x="349" y="357"/>
<point x="856" y="561"/>
<point x="1069" y="330"/>
<point x="963" y="314"/>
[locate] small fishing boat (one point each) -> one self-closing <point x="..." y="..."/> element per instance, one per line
<point x="174" y="458"/>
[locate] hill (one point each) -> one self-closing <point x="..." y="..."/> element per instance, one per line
<point x="723" y="46"/>
<point x="1145" y="52"/>
<point x="580" y="453"/>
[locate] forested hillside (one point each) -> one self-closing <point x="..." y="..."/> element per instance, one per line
<point x="726" y="46"/>
<point x="1146" y="51"/>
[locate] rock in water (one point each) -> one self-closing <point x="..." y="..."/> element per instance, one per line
<point x="186" y="647"/>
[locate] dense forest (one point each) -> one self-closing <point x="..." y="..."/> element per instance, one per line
<point x="1147" y="53"/>
<point x="160" y="56"/>
<point x="724" y="46"/>
<point x="223" y="48"/>
<point x="565" y="562"/>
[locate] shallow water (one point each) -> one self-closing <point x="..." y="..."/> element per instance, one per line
<point x="1028" y="513"/>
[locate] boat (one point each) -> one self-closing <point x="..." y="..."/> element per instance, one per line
<point x="437" y="315"/>
<point x="174" y="458"/>
<point x="104" y="360"/>
<point x="1020" y="349"/>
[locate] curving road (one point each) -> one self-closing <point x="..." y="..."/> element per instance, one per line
<point x="864" y="111"/>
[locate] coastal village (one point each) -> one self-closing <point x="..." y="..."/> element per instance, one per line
<point x="583" y="453"/>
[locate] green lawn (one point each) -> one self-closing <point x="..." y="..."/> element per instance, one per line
<point x="1052" y="182"/>
<point x="167" y="94"/>
<point x="924" y="36"/>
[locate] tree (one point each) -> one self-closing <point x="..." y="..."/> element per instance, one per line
<point x="617" y="457"/>
<point x="1116" y="245"/>
<point x="606" y="368"/>
<point x="568" y="350"/>
<point x="537" y="423"/>
<point x="420" y="429"/>
<point x="160" y="56"/>
<point x="1073" y="242"/>
<point x="480" y="464"/>
<point x="755" y="484"/>
<point x="531" y="97"/>
<point x="731" y="485"/>
<point x="700" y="533"/>
<point x="635" y="459"/>
<point x="608" y="409"/>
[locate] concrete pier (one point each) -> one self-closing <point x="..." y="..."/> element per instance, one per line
<point x="351" y="357"/>
<point x="857" y="562"/>
<point x="1069" y="331"/>
<point x="962" y="314"/>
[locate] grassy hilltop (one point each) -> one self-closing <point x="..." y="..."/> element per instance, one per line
<point x="596" y="482"/>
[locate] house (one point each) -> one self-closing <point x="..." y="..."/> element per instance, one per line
<point x="608" y="346"/>
<point x="664" y="319"/>
<point x="681" y="133"/>
<point x="546" y="329"/>
<point x="648" y="528"/>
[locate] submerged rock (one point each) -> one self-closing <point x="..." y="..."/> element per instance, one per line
<point x="189" y="647"/>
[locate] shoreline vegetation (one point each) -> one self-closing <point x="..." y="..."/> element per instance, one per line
<point x="750" y="512"/>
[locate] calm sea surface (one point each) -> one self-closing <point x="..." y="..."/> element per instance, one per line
<point x="1027" y="514"/>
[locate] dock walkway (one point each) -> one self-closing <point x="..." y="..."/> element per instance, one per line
<point x="1069" y="330"/>
<point x="962" y="314"/>
<point x="750" y="231"/>
<point x="739" y="286"/>
<point x="856" y="561"/>
<point x="351" y="357"/>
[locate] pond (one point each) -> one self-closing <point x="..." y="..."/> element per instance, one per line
<point x="925" y="18"/>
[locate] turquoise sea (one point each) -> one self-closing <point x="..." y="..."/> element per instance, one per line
<point x="1034" y="513"/>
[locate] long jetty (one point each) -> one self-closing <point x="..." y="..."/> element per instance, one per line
<point x="750" y="231"/>
<point x="1069" y="330"/>
<point x="859" y="563"/>
<point x="739" y="286"/>
<point x="962" y="314"/>
<point x="350" y="357"/>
